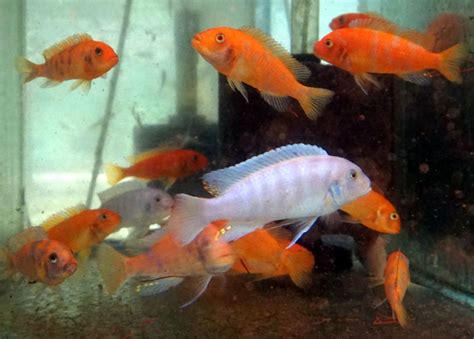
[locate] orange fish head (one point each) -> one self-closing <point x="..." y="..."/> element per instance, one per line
<point x="216" y="254"/>
<point x="105" y="222"/>
<point x="332" y="48"/>
<point x="196" y="162"/>
<point x="340" y="21"/>
<point x="99" y="58"/>
<point x="388" y="220"/>
<point x="215" y="45"/>
<point x="57" y="261"/>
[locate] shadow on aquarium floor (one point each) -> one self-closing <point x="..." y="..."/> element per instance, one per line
<point x="338" y="306"/>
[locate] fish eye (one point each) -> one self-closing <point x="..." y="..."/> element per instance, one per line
<point x="195" y="158"/>
<point x="328" y="43"/>
<point x="220" y="38"/>
<point x="98" y="51"/>
<point x="103" y="216"/>
<point x="393" y="216"/>
<point x="341" y="19"/>
<point x="53" y="258"/>
<point x="353" y="174"/>
<point x="157" y="199"/>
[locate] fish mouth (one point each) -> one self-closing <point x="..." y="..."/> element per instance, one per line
<point x="196" y="42"/>
<point x="114" y="60"/>
<point x="70" y="268"/>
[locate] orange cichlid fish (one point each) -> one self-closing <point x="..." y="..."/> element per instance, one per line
<point x="167" y="264"/>
<point x="159" y="164"/>
<point x="267" y="256"/>
<point x="396" y="281"/>
<point x="374" y="211"/>
<point x="372" y="46"/>
<point x="31" y="254"/>
<point x="249" y="56"/>
<point x="80" y="228"/>
<point x="344" y="20"/>
<point x="78" y="57"/>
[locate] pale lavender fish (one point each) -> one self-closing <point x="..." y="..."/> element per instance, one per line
<point x="295" y="183"/>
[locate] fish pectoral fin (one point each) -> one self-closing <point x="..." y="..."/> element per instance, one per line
<point x="235" y="84"/>
<point x="277" y="102"/>
<point x="422" y="78"/>
<point x="298" y="225"/>
<point x="157" y="286"/>
<point x="335" y="193"/>
<point x="50" y="83"/>
<point x="168" y="182"/>
<point x="84" y="84"/>
<point x="193" y="287"/>
<point x="364" y="80"/>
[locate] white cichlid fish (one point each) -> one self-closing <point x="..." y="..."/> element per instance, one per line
<point x="295" y="184"/>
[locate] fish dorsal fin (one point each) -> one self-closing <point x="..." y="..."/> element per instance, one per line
<point x="380" y="24"/>
<point x="217" y="182"/>
<point x="301" y="72"/>
<point x="59" y="217"/>
<point x="133" y="159"/>
<point x="29" y="234"/>
<point x="120" y="189"/>
<point x="68" y="42"/>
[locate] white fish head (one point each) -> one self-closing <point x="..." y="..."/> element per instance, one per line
<point x="349" y="182"/>
<point x="157" y="204"/>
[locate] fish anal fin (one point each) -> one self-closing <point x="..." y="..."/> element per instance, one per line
<point x="235" y="84"/>
<point x="364" y="80"/>
<point x="66" y="43"/>
<point x="192" y="288"/>
<point x="59" y="217"/>
<point x="277" y="102"/>
<point x="133" y="159"/>
<point x="22" y="238"/>
<point x="157" y="286"/>
<point x="50" y="83"/>
<point x="300" y="71"/>
<point x="419" y="78"/>
<point x="84" y="84"/>
<point x="220" y="180"/>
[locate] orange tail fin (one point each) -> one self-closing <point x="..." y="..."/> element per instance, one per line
<point x="112" y="267"/>
<point x="314" y="100"/>
<point x="402" y="315"/>
<point x="114" y="173"/>
<point x="451" y="60"/>
<point x="26" y="68"/>
<point x="300" y="263"/>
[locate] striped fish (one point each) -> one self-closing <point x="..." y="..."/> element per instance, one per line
<point x="294" y="184"/>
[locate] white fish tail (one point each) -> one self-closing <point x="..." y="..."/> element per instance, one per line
<point x="188" y="218"/>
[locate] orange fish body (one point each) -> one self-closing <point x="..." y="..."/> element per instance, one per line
<point x="262" y="254"/>
<point x="374" y="211"/>
<point x="80" y="228"/>
<point x="248" y="56"/>
<point x="363" y="50"/>
<point x="159" y="165"/>
<point x="78" y="57"/>
<point x="37" y="258"/>
<point x="396" y="281"/>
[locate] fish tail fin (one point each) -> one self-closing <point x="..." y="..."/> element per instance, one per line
<point x="27" y="69"/>
<point x="314" y="100"/>
<point x="114" y="173"/>
<point x="402" y="315"/>
<point x="187" y="218"/>
<point x="300" y="267"/>
<point x="451" y="60"/>
<point x="5" y="264"/>
<point x="112" y="267"/>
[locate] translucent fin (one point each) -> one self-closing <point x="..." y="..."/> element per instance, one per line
<point x="66" y="43"/>
<point x="426" y="41"/>
<point x="26" y="68"/>
<point x="157" y="286"/>
<point x="120" y="189"/>
<point x="26" y="236"/>
<point x="59" y="217"/>
<point x="133" y="159"/>
<point x="301" y="226"/>
<point x="113" y="173"/>
<point x="451" y="61"/>
<point x="112" y="267"/>
<point x="299" y="262"/>
<point x="419" y="78"/>
<point x="193" y="288"/>
<point x="402" y="315"/>
<point x="278" y="103"/>
<point x="169" y="182"/>
<point x="300" y="71"/>
<point x="364" y="80"/>
<point x="84" y="84"/>
<point x="219" y="181"/>
<point x="314" y="101"/>
<point x="375" y="23"/>
<point x="50" y="83"/>
<point x="235" y="84"/>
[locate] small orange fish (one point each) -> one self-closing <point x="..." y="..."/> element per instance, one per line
<point x="78" y="57"/>
<point x="80" y="228"/>
<point x="159" y="164"/>
<point x="374" y="211"/>
<point x="167" y="264"/>
<point x="249" y="56"/>
<point x="345" y="20"/>
<point x="266" y="256"/>
<point x="37" y="258"/>
<point x="370" y="46"/>
<point x="397" y="279"/>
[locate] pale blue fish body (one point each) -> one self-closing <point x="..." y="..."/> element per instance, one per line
<point x="295" y="183"/>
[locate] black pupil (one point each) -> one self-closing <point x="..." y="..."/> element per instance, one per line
<point x="157" y="199"/>
<point x="220" y="37"/>
<point x="195" y="157"/>
<point x="98" y="51"/>
<point x="353" y="174"/>
<point x="328" y="43"/>
<point x="104" y="217"/>
<point x="53" y="257"/>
